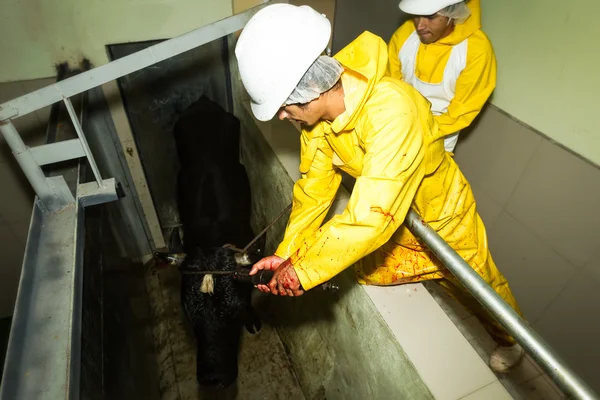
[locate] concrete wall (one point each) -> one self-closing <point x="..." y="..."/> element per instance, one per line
<point x="327" y="7"/>
<point x="351" y="19"/>
<point x="39" y="34"/>
<point x="547" y="55"/>
<point x="131" y="232"/>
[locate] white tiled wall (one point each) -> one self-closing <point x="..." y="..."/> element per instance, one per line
<point x="575" y="309"/>
<point x="17" y="196"/>
<point x="536" y="272"/>
<point x="540" y="204"/>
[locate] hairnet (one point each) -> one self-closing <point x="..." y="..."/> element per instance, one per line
<point x="320" y="77"/>
<point x="458" y="12"/>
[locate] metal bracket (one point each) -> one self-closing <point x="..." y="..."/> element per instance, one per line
<point x="90" y="194"/>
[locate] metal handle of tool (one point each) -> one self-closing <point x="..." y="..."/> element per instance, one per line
<point x="264" y="276"/>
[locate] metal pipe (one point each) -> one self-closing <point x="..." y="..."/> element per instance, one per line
<point x="556" y="368"/>
<point x="28" y="164"/>
<point x="83" y="140"/>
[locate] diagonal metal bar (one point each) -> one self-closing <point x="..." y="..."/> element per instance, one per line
<point x="126" y="65"/>
<point x="83" y="140"/>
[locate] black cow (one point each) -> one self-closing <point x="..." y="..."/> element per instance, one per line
<point x="214" y="206"/>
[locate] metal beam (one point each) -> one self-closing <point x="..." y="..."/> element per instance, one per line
<point x="557" y="369"/>
<point x="40" y="360"/>
<point x="44" y="350"/>
<point x="58" y="152"/>
<point x="126" y="65"/>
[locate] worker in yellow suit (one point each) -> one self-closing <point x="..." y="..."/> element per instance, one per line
<point x="443" y="53"/>
<point x="379" y="130"/>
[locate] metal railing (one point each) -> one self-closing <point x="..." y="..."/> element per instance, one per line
<point x="53" y="196"/>
<point x="557" y="369"/>
<point x="43" y="358"/>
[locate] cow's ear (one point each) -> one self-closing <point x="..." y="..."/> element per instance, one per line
<point x="175" y="259"/>
<point x="242" y="259"/>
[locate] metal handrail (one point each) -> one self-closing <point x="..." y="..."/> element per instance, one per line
<point x="572" y="385"/>
<point x="51" y="194"/>
<point x="44" y="351"/>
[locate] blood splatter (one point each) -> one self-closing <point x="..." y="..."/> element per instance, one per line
<point x="383" y="212"/>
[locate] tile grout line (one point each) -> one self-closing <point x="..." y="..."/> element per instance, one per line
<point x="534" y="153"/>
<point x="545" y="242"/>
<point x="551" y="302"/>
<point x="553" y="386"/>
<point x="481" y="388"/>
<point x="547" y="382"/>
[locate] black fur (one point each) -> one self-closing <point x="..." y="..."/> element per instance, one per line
<point x="217" y="319"/>
<point x="214" y="206"/>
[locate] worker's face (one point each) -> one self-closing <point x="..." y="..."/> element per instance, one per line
<point x="432" y="28"/>
<point x="306" y="114"/>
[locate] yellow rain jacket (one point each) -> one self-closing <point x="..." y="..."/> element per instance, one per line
<point x="475" y="83"/>
<point x="387" y="139"/>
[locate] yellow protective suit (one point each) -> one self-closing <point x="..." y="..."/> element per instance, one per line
<point x="387" y="139"/>
<point x="475" y="83"/>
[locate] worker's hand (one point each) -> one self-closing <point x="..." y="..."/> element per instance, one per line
<point x="269" y="263"/>
<point x="285" y="282"/>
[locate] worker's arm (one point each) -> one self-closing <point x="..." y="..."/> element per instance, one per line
<point x="396" y="42"/>
<point x="382" y="195"/>
<point x="473" y="87"/>
<point x="313" y="193"/>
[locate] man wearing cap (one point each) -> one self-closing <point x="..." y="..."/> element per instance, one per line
<point x="443" y="53"/>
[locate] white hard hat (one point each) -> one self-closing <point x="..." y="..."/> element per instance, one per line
<point x="275" y="49"/>
<point x="425" y="7"/>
